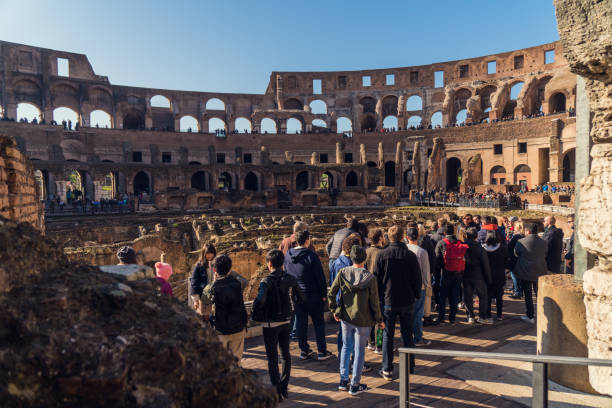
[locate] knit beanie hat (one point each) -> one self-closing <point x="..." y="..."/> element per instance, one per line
<point x="358" y="254"/>
<point x="127" y="255"/>
<point x="163" y="270"/>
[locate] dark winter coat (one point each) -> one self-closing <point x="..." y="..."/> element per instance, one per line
<point x="554" y="240"/>
<point x="399" y="276"/>
<point x="497" y="255"/>
<point x="476" y="263"/>
<point x="230" y="314"/>
<point x="438" y="236"/>
<point x="305" y="266"/>
<point x="531" y="258"/>
<point x="511" y="260"/>
<point x="199" y="279"/>
<point x="278" y="292"/>
<point x="428" y="245"/>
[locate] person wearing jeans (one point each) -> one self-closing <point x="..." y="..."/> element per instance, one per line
<point x="412" y="234"/>
<point x="449" y="289"/>
<point x="529" y="288"/>
<point x="357" y="310"/>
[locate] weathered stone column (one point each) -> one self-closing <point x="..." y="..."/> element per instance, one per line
<point x="339" y="156"/>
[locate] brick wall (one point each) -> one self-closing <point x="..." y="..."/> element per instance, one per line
<point x="18" y="194"/>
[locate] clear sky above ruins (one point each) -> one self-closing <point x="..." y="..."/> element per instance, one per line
<point x="232" y="46"/>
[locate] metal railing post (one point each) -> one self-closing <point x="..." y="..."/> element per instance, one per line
<point x="404" y="380"/>
<point x="539" y="386"/>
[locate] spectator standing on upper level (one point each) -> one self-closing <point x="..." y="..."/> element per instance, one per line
<point x="334" y="245"/>
<point x="399" y="283"/>
<point x="412" y="234"/>
<point x="554" y="240"/>
<point x="530" y="265"/>
<point x="273" y="307"/>
<point x="305" y="265"/>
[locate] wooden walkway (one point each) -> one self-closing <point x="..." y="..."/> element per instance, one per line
<point x="314" y="383"/>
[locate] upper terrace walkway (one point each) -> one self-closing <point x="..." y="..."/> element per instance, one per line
<point x="438" y="381"/>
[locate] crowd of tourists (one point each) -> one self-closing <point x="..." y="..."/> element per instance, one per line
<point x="488" y="199"/>
<point x="553" y="188"/>
<point x="409" y="275"/>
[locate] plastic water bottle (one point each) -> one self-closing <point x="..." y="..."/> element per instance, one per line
<point x="379" y="336"/>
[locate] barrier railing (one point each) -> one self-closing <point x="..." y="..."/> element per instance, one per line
<point x="540" y="363"/>
<point x="551" y="208"/>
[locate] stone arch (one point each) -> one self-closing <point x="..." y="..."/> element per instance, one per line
<point x="414" y="121"/>
<point x="189" y="124"/>
<point x="368" y="123"/>
<point x="216" y="125"/>
<point x="27" y="91"/>
<point x="368" y="104"/>
<point x="267" y="125"/>
<point x="100" y="118"/>
<point x="41" y="184"/>
<point x="318" y="107"/>
<point x="352" y="180"/>
<point x="142" y="183"/>
<point x="569" y="166"/>
<point x="453" y="165"/>
<point x="390" y="122"/>
<point x="437" y="119"/>
<point x="326" y="181"/>
<point x="294" y="104"/>
<point x="100" y="98"/>
<point x="226" y="181"/>
<point x="534" y="99"/>
<point x="215" y="104"/>
<point x="28" y="111"/>
<point x="498" y="175"/>
<point x="65" y="94"/>
<point x="133" y="119"/>
<point x="522" y="175"/>
<point x="160" y="101"/>
<point x="294" y="125"/>
<point x="344" y="125"/>
<point x="251" y="182"/>
<point x="320" y="123"/>
<point x="242" y="125"/>
<point x="302" y="181"/>
<point x="460" y="99"/>
<point x="200" y="180"/>
<point x="461" y="117"/>
<point x="414" y="103"/>
<point x="63" y="113"/>
<point x="485" y="93"/>
<point x="557" y="102"/>
<point x="389" y="106"/>
<point x="390" y="174"/>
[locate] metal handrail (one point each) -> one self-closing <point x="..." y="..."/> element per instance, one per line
<point x="540" y="363"/>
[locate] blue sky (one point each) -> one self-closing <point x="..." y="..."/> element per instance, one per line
<point x="232" y="46"/>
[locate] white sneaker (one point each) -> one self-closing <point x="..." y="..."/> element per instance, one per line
<point x="470" y="320"/>
<point x="528" y="320"/>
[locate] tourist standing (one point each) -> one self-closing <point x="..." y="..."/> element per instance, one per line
<point x="305" y="266"/>
<point x="530" y="265"/>
<point x="229" y="316"/>
<point x="437" y="236"/>
<point x="377" y="239"/>
<point x="450" y="259"/>
<point x="399" y="283"/>
<point x="569" y="254"/>
<point x="517" y="234"/>
<point x="201" y="275"/>
<point x="476" y="279"/>
<point x="163" y="271"/>
<point x="412" y="234"/>
<point x="334" y="245"/>
<point x="272" y="307"/>
<point x="126" y="256"/>
<point x="426" y="243"/>
<point x="554" y="241"/>
<point x="497" y="254"/>
<point x="289" y="242"/>
<point x="357" y="311"/>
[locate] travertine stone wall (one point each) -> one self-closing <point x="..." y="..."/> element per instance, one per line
<point x="584" y="28"/>
<point x="18" y="195"/>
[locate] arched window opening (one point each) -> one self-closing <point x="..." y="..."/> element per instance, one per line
<point x="242" y="125"/>
<point x="293" y="104"/>
<point x="319" y="123"/>
<point x="294" y="126"/>
<point x="28" y="112"/>
<point x="63" y="114"/>
<point x="390" y="123"/>
<point x="133" y="119"/>
<point x="326" y="181"/>
<point x="344" y="125"/>
<point x="436" y="120"/>
<point x="109" y="187"/>
<point x="216" y="125"/>
<point x="215" y="104"/>
<point x="251" y="182"/>
<point x="516" y="90"/>
<point x="390" y="174"/>
<point x="452" y="174"/>
<point x="368" y="124"/>
<point x="189" y="124"/>
<point x="267" y="126"/>
<point x="301" y="181"/>
<point x="414" y="122"/>
<point x="142" y="183"/>
<point x="414" y="103"/>
<point x="522" y="175"/>
<point x="100" y="119"/>
<point x="557" y="102"/>
<point x="509" y="109"/>
<point x="351" y="179"/>
<point x="369" y="104"/>
<point x="160" y="101"/>
<point x="461" y="117"/>
<point x="569" y="166"/>
<point x="498" y="175"/>
<point x="40" y="184"/>
<point x="318" y="107"/>
<point x="225" y="181"/>
<point x="200" y="180"/>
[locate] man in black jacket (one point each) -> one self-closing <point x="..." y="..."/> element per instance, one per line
<point x="436" y="276"/>
<point x="554" y="240"/>
<point x="305" y="266"/>
<point x="273" y="307"/>
<point x="399" y="283"/>
<point x="476" y="278"/>
<point x="229" y="313"/>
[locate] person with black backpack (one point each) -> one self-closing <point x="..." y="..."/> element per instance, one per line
<point x="229" y="315"/>
<point x="273" y="307"/>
